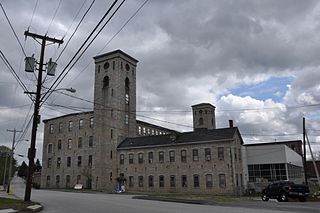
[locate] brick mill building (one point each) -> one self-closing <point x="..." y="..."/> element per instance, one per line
<point x="108" y="146"/>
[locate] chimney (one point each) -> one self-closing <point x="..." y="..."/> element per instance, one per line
<point x="230" y="123"/>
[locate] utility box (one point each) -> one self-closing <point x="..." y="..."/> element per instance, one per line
<point x="51" y="69"/>
<point x="30" y="64"/>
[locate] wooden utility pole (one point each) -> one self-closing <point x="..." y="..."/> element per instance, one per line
<point x="11" y="156"/>
<point x="304" y="151"/>
<point x="36" y="120"/>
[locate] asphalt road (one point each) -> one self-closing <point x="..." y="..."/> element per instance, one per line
<point x="58" y="201"/>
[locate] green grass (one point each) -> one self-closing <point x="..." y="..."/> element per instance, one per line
<point x="8" y="203"/>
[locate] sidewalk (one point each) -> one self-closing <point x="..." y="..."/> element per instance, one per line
<point x="31" y="208"/>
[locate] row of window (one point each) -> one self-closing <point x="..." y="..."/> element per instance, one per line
<point x="68" y="162"/>
<point x="106" y="66"/>
<point x="57" y="185"/>
<point x="69" y="144"/>
<point x="204" y="111"/>
<point x="148" y="131"/>
<point x="207" y="153"/>
<point x="172" y="181"/>
<point x="70" y="125"/>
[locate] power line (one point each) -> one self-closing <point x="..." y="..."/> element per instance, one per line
<point x="58" y="80"/>
<point x="34" y="10"/>
<point x="84" y="15"/>
<point x="54" y="15"/>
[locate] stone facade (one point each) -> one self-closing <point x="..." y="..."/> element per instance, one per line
<point x="91" y="147"/>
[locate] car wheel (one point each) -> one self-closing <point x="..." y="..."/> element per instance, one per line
<point x="264" y="197"/>
<point x="283" y="197"/>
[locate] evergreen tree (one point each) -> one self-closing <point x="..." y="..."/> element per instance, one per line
<point x="23" y="170"/>
<point x="38" y="166"/>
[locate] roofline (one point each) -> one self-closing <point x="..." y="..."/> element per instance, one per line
<point x="116" y="51"/>
<point x="273" y="143"/>
<point x="63" y="116"/>
<point x="173" y="144"/>
<point x="203" y="104"/>
<point x="143" y="122"/>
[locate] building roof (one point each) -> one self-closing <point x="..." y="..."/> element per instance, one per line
<point x="114" y="52"/>
<point x="63" y="116"/>
<point x="198" y="136"/>
<point x="273" y="143"/>
<point x="203" y="104"/>
<point x="154" y="126"/>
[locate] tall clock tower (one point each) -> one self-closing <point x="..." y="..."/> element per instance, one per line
<point x="114" y="113"/>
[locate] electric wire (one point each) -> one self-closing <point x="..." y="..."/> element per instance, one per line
<point x="89" y="44"/>
<point x="34" y="10"/>
<point x="54" y="15"/>
<point x="84" y="15"/>
<point x="46" y="95"/>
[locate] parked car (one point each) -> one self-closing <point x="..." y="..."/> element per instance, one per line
<point x="282" y="190"/>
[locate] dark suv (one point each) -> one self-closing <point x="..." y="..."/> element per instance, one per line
<point x="282" y="190"/>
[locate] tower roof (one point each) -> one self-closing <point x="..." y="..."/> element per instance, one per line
<point x="203" y="105"/>
<point x="118" y="51"/>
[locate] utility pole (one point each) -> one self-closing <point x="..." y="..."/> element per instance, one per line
<point x="11" y="157"/>
<point x="304" y="150"/>
<point x="36" y="119"/>
<point x="5" y="172"/>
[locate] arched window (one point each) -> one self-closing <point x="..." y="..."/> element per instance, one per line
<point x="200" y="121"/>
<point x="106" y="81"/>
<point x="127" y="88"/>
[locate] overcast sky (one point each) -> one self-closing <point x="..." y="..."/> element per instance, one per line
<point x="256" y="61"/>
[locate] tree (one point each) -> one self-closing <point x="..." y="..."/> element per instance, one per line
<point x="38" y="166"/>
<point x="23" y="170"/>
<point x="5" y="157"/>
<point x="86" y="172"/>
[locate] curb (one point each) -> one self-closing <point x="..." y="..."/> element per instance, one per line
<point x="199" y="202"/>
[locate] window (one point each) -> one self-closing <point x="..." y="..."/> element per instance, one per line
<point x="195" y="155"/>
<point x="221" y="153"/>
<point x="241" y="180"/>
<point x="222" y="180"/>
<point x="150" y="181"/>
<point x="161" y="181"/>
<point x="152" y="132"/>
<point x="130" y="158"/>
<point x="184" y="183"/>
<point x="90" y="141"/>
<point x="131" y="181"/>
<point x="80" y="142"/>
<point x="209" y="182"/>
<point x="237" y="180"/>
<point x="49" y="162"/>
<point x="59" y="144"/>
<point x="140" y="158"/>
<point x="126" y="119"/>
<point x="68" y="181"/>
<point x="91" y="122"/>
<point x="58" y="162"/>
<point x="148" y="131"/>
<point x="144" y="130"/>
<point x="113" y="65"/>
<point x="51" y="129"/>
<point x="111" y="133"/>
<point x="140" y="181"/>
<point x="60" y="127"/>
<point x="200" y="112"/>
<point x="183" y="156"/>
<point x="172" y="181"/>
<point x="90" y="161"/>
<point x="70" y="127"/>
<point x="196" y="182"/>
<point x="48" y="181"/>
<point x="80" y="123"/>
<point x="106" y="82"/>
<point x="139" y="130"/>
<point x="150" y="157"/>
<point x="111" y="154"/>
<point x="69" y="143"/>
<point x="78" y="179"/>
<point x="172" y="156"/>
<point x="207" y="154"/>
<point x="200" y="121"/>
<point x="68" y="161"/>
<point x="239" y="154"/>
<point x="235" y="153"/>
<point x="127" y="99"/>
<point x="58" y="181"/>
<point x="79" y="161"/>
<point x="122" y="159"/>
<point x="50" y="148"/>
<point x="161" y="157"/>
